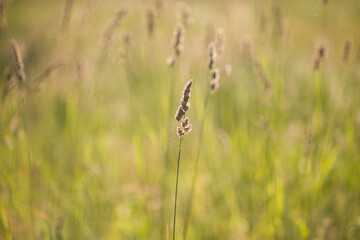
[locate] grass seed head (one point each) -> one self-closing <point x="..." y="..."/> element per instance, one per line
<point x="158" y="6"/>
<point x="278" y="19"/>
<point x="177" y="44"/>
<point x="180" y="131"/>
<point x="212" y="55"/>
<point x="184" y="102"/>
<point x="3" y="21"/>
<point x="179" y="113"/>
<point x="188" y="128"/>
<point x="178" y="40"/>
<point x="319" y="56"/>
<point x="219" y="41"/>
<point x="214" y="84"/>
<point x="184" y="122"/>
<point x="150" y="21"/>
<point x="111" y="25"/>
<point x="49" y="69"/>
<point x="322" y="51"/>
<point x="184" y="13"/>
<point x="67" y="14"/>
<point x="18" y="61"/>
<point x="184" y="128"/>
<point x="347" y="50"/>
<point x="263" y="76"/>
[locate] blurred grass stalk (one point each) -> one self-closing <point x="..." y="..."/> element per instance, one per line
<point x="5" y="223"/>
<point x="184" y="128"/>
<point x="318" y="99"/>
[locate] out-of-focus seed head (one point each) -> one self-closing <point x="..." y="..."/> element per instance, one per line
<point x="263" y="77"/>
<point x="150" y="20"/>
<point x="178" y="40"/>
<point x="219" y="41"/>
<point x="319" y="56"/>
<point x="184" y="13"/>
<point x="322" y="51"/>
<point x="18" y="62"/>
<point x="214" y="83"/>
<point x="110" y="27"/>
<point x="212" y="55"/>
<point x="158" y="6"/>
<point x="177" y="44"/>
<point x="170" y="61"/>
<point x="347" y="50"/>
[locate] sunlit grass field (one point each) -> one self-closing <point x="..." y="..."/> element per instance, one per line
<point x="88" y="143"/>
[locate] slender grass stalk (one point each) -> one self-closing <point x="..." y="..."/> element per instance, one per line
<point x="184" y="128"/>
<point x="4" y="220"/>
<point x="167" y="231"/>
<point x="270" y="179"/>
<point x="22" y="108"/>
<point x="23" y="112"/>
<point x="317" y="125"/>
<point x="176" y="186"/>
<point x="30" y="179"/>
<point x="318" y="65"/>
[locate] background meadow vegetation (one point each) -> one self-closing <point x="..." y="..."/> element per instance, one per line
<point x="83" y="143"/>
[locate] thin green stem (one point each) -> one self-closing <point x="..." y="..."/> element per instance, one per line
<point x="196" y="167"/>
<point x="23" y="113"/>
<point x="176" y="188"/>
<point x="318" y="99"/>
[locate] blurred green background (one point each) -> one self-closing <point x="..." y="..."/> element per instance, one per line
<point x="83" y="146"/>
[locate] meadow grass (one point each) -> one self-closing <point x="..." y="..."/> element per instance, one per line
<point x="85" y="130"/>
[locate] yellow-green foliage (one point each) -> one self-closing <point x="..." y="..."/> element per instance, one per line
<point x="83" y="146"/>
